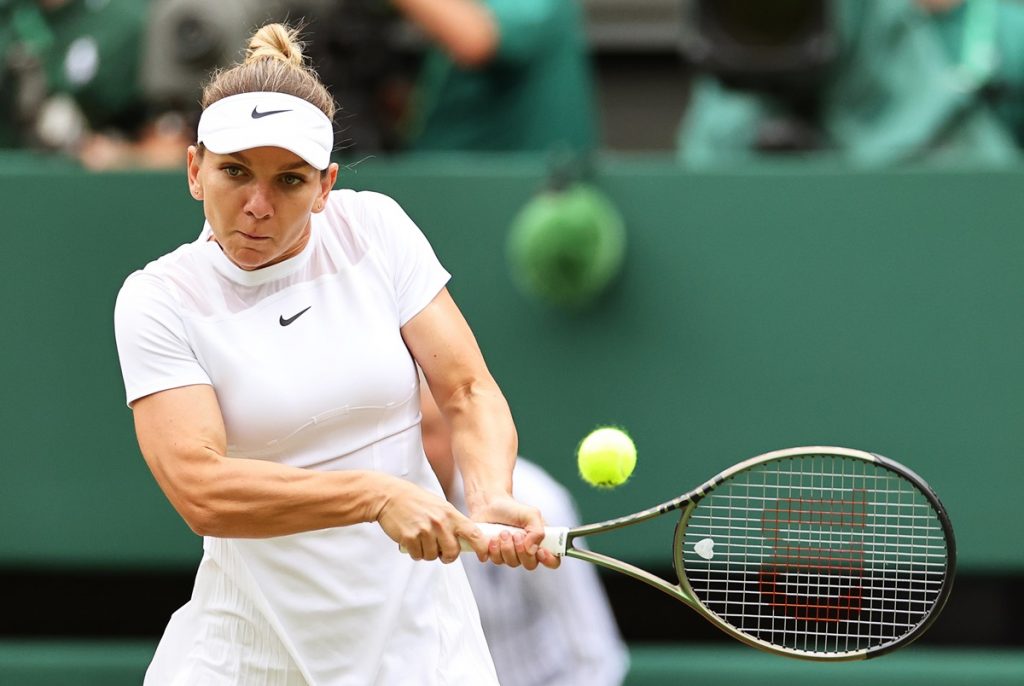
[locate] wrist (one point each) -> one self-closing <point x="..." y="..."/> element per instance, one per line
<point x="381" y="490"/>
<point x="480" y="501"/>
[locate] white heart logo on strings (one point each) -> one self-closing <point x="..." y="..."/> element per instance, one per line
<point x="705" y="547"/>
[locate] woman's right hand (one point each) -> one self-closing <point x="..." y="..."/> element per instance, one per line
<point x="425" y="525"/>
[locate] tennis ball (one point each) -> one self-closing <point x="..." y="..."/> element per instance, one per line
<point x="606" y="457"/>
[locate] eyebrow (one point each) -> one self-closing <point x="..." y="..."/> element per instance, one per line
<point x="288" y="167"/>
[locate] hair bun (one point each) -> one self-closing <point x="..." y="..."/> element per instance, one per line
<point x="277" y="42"/>
<point x="273" y="63"/>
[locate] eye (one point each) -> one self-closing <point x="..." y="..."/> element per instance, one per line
<point x="292" y="180"/>
<point x="232" y="170"/>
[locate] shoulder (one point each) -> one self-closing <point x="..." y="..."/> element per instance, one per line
<point x="159" y="279"/>
<point x="159" y="269"/>
<point x="363" y="207"/>
<point x="368" y="216"/>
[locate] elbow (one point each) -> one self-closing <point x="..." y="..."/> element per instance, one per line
<point x="202" y="519"/>
<point x="202" y="508"/>
<point x="220" y="523"/>
<point x="198" y="495"/>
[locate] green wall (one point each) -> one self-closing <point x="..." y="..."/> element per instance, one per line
<point x="756" y="311"/>
<point x="123" y="663"/>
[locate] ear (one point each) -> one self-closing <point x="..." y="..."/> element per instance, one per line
<point x="195" y="186"/>
<point x="326" y="184"/>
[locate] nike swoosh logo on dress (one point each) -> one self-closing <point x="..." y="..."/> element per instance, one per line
<point x="285" y="322"/>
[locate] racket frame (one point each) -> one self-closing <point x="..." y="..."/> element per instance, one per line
<point x="684" y="592"/>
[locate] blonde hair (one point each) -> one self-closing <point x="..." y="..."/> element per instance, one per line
<point x="273" y="63"/>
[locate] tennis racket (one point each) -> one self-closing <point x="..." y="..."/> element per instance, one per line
<point x="816" y="553"/>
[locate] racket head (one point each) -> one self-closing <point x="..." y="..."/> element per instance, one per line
<point x="821" y="553"/>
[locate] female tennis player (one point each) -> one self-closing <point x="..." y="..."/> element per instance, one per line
<point x="272" y="375"/>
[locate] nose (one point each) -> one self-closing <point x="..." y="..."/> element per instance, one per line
<point x="259" y="205"/>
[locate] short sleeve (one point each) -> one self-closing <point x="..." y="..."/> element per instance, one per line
<point x="415" y="271"/>
<point x="152" y="344"/>
<point x="526" y="27"/>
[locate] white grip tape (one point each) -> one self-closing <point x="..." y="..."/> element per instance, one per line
<point x="554" y="540"/>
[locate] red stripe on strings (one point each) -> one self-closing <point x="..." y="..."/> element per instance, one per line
<point x="841" y="567"/>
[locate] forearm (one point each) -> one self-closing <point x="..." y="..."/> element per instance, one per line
<point x="239" y="498"/>
<point x="483" y="435"/>
<point x="181" y="436"/>
<point x="484" y="441"/>
<point x="465" y="29"/>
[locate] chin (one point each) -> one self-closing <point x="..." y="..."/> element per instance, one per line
<point x="248" y="260"/>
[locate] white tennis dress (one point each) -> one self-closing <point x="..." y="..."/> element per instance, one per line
<point x="311" y="371"/>
<point x="560" y="618"/>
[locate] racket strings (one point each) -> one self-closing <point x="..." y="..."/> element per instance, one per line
<point x="817" y="553"/>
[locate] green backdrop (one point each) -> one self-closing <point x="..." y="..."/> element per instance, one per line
<point x="756" y="311"/>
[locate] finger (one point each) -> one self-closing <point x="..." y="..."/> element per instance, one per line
<point x="430" y="549"/>
<point x="533" y="522"/>
<point x="494" y="550"/>
<point x="529" y="561"/>
<point x="507" y="547"/>
<point x="414" y="549"/>
<point x="532" y="540"/>
<point x="449" y="547"/>
<point x="548" y="559"/>
<point x="472" y="534"/>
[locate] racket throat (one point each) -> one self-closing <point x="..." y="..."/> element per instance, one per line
<point x="630" y="570"/>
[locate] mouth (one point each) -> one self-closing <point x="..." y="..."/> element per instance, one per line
<point x="252" y="237"/>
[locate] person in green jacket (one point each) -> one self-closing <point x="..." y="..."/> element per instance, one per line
<point x="906" y="85"/>
<point x="502" y="75"/>
<point x="983" y="37"/>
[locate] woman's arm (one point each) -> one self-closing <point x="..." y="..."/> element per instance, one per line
<point x="182" y="437"/>
<point x="483" y="435"/>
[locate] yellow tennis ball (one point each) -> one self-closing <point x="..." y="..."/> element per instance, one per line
<point x="606" y="457"/>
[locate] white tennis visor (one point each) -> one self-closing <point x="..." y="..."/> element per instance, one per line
<point x="255" y="120"/>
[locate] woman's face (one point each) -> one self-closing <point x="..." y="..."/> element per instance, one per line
<point x="258" y="201"/>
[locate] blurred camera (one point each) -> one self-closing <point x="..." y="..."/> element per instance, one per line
<point x="783" y="46"/>
<point x="188" y="39"/>
<point x="354" y="45"/>
<point x="783" y="49"/>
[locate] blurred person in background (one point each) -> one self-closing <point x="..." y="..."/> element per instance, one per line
<point x="69" y="84"/>
<point x="985" y="39"/>
<point x="556" y="628"/>
<point x="886" y="88"/>
<point x="431" y="75"/>
<point x="502" y="75"/>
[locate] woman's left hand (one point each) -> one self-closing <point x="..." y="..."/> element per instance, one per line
<point x="519" y="548"/>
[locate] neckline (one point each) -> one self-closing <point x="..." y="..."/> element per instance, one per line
<point x="257" y="277"/>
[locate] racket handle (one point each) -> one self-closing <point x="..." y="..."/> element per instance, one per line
<point x="554" y="541"/>
<point x="555" y="537"/>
